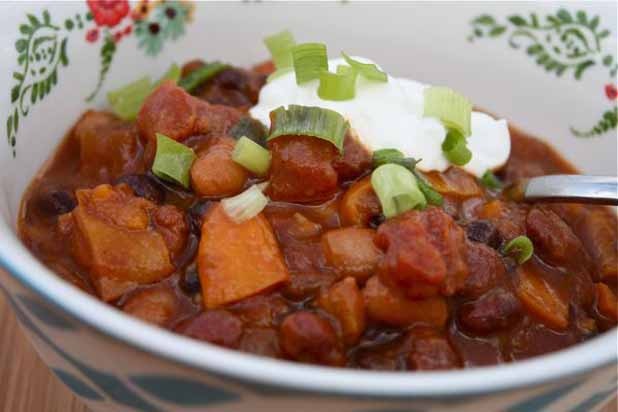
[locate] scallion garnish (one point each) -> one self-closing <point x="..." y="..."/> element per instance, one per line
<point x="309" y="60"/>
<point x="520" y="248"/>
<point x="173" y="161"/>
<point x="385" y="156"/>
<point x="367" y="70"/>
<point x="246" y="205"/>
<point x="455" y="149"/>
<point x="491" y="181"/>
<point x="338" y="86"/>
<point x="432" y="196"/>
<point x="173" y="74"/>
<point x="251" y="156"/>
<point x="127" y="101"/>
<point x="251" y="128"/>
<point x="309" y="121"/>
<point x="200" y="75"/>
<point x="453" y="109"/>
<point x="280" y="47"/>
<point x="397" y="189"/>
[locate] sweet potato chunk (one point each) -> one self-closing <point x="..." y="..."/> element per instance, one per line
<point x="388" y="305"/>
<point x="454" y="182"/>
<point x="425" y="253"/>
<point x="302" y="169"/>
<point x="351" y="251"/>
<point x="108" y="146"/>
<point x="112" y="239"/>
<point x="215" y="174"/>
<point x="599" y="234"/>
<point x="237" y="260"/>
<point x="345" y="302"/>
<point x="359" y="204"/>
<point x="607" y="304"/>
<point x="541" y="299"/>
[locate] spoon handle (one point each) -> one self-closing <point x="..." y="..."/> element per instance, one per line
<point x="573" y="188"/>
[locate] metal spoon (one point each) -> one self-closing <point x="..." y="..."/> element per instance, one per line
<point x="568" y="188"/>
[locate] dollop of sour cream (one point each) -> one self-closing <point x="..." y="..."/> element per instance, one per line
<point x="390" y="115"/>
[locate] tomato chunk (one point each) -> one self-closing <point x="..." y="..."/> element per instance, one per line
<point x="351" y="251"/>
<point x="237" y="260"/>
<point x="425" y="253"/>
<point x="355" y="161"/>
<point x="302" y="169"/>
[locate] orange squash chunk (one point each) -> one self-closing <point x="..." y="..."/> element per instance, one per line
<point x="542" y="300"/>
<point x="387" y="305"/>
<point x="345" y="302"/>
<point x="236" y="261"/>
<point x="607" y="304"/>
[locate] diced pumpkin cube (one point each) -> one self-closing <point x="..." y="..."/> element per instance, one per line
<point x="351" y="251"/>
<point x="111" y="239"/>
<point x="541" y="299"/>
<point x="359" y="204"/>
<point x="237" y="260"/>
<point x="390" y="306"/>
<point x="607" y="304"/>
<point x="345" y="302"/>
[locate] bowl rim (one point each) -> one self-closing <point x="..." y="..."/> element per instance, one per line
<point x="255" y="370"/>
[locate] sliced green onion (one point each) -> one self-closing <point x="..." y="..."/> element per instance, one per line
<point x="491" y="181"/>
<point x="520" y="248"/>
<point x="453" y="109"/>
<point x="173" y="74"/>
<point x="455" y="149"/>
<point x="246" y="205"/>
<point x="127" y="101"/>
<point x="309" y="61"/>
<point x="280" y="47"/>
<point x="397" y="189"/>
<point x="367" y="70"/>
<point x="338" y="86"/>
<point x="432" y="196"/>
<point x="251" y="156"/>
<point x="309" y="121"/>
<point x="173" y="161"/>
<point x="251" y="128"/>
<point x="384" y="156"/>
<point x="200" y="75"/>
<point x="278" y="73"/>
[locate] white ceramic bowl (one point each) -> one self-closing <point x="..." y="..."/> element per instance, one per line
<point x="491" y="52"/>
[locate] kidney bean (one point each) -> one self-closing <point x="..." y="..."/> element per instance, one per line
<point x="495" y="310"/>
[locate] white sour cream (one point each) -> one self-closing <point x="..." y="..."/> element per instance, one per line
<point x="390" y="115"/>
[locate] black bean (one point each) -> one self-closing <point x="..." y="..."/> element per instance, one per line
<point x="190" y="280"/>
<point x="484" y="231"/>
<point x="144" y="186"/>
<point x="196" y="213"/>
<point x="376" y="221"/>
<point x="56" y="202"/>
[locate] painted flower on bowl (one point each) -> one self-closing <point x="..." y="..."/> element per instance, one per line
<point x="108" y="12"/>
